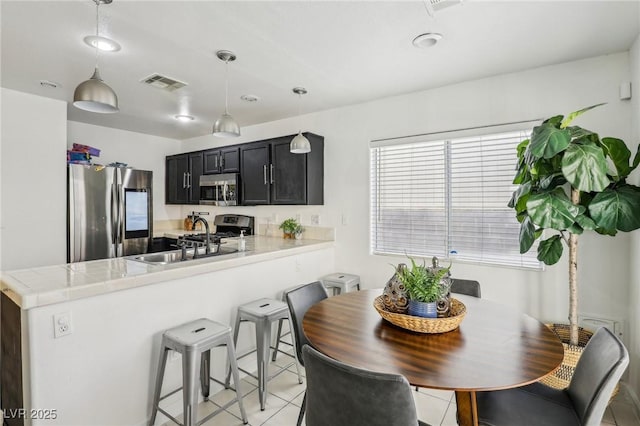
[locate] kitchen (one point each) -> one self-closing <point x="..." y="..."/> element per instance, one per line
<point x="31" y="210"/>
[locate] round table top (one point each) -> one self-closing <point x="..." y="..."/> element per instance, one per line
<point x="495" y="347"/>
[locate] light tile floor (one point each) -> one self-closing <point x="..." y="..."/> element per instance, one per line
<point x="435" y="407"/>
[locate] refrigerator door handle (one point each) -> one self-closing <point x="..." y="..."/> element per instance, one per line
<point x="120" y="215"/>
<point x="114" y="215"/>
<point x="184" y="180"/>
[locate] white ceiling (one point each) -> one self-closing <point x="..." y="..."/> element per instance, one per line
<point x="343" y="52"/>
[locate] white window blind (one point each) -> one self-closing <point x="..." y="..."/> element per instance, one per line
<point x="447" y="198"/>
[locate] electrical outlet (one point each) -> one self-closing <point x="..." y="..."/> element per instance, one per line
<point x="62" y="325"/>
<point x="345" y="221"/>
<point x="315" y="219"/>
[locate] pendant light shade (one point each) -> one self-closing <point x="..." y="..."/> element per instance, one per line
<point x="226" y="126"/>
<point x="95" y="95"/>
<point x="299" y="144"/>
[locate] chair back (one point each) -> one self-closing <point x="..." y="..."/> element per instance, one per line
<point x="468" y="287"/>
<point x="342" y="395"/>
<point x="300" y="299"/>
<point x="599" y="368"/>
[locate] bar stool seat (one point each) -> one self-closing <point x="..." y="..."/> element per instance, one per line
<point x="193" y="339"/>
<point x="340" y="282"/>
<point x="263" y="312"/>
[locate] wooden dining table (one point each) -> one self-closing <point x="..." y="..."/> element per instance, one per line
<point x="495" y="347"/>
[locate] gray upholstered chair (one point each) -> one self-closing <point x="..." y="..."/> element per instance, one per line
<point x="342" y="395"/>
<point x="300" y="299"/>
<point x="603" y="361"/>
<point x="468" y="287"/>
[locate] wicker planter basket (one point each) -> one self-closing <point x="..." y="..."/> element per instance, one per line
<point x="561" y="378"/>
<point x="424" y="325"/>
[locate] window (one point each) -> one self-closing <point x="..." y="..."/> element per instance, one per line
<point x="447" y="198"/>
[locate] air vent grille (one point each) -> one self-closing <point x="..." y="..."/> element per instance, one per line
<point x="163" y="82"/>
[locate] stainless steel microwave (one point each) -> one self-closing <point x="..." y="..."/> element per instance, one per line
<point x="219" y="190"/>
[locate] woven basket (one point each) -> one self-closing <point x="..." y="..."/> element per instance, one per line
<point x="561" y="378"/>
<point x="424" y="325"/>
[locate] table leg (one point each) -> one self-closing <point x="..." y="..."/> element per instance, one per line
<point x="467" y="408"/>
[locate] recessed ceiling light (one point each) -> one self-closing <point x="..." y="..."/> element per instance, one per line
<point x="102" y="43"/>
<point x="249" y="98"/>
<point x="427" y="40"/>
<point x="183" y="117"/>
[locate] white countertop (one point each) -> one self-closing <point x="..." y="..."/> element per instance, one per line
<point x="30" y="288"/>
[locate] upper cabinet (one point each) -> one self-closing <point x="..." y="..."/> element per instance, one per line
<point x="222" y="160"/>
<point x="269" y="173"/>
<point x="182" y="177"/>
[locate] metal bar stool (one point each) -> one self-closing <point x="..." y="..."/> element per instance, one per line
<point x="263" y="313"/>
<point x="340" y="282"/>
<point x="193" y="339"/>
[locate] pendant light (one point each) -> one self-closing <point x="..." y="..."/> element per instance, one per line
<point x="299" y="144"/>
<point x="95" y="95"/>
<point x="226" y="126"/>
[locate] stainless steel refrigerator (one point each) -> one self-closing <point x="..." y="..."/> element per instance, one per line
<point x="110" y="212"/>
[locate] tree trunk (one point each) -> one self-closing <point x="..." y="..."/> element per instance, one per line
<point x="573" y="278"/>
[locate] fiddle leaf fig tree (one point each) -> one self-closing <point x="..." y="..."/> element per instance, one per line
<point x="570" y="181"/>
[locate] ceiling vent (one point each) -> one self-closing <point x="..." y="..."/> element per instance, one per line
<point x="434" y="5"/>
<point x="163" y="82"/>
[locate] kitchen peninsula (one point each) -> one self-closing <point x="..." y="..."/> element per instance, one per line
<point x="103" y="370"/>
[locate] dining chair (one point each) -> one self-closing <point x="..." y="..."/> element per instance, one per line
<point x="300" y="299"/>
<point x="341" y="395"/>
<point x="583" y="403"/>
<point x="468" y="287"/>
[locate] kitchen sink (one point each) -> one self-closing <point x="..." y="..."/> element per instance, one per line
<point x="162" y="258"/>
<point x="175" y="256"/>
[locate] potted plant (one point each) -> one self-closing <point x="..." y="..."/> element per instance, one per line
<point x="423" y="286"/>
<point x="570" y="181"/>
<point x="289" y="227"/>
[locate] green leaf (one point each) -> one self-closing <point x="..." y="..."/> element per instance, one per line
<point x="550" y="250"/>
<point x="527" y="235"/>
<point x="619" y="153"/>
<point x="553" y="180"/>
<point x="586" y="222"/>
<point x="547" y="141"/>
<point x="579" y="132"/>
<point x="575" y="114"/>
<point x="610" y="232"/>
<point x="575" y="229"/>
<point x="552" y="210"/>
<point x="585" y="168"/>
<point x="522" y="147"/>
<point x="554" y="121"/>
<point x="617" y="208"/>
<point x="522" y="175"/>
<point x="636" y="159"/>
<point x="523" y="189"/>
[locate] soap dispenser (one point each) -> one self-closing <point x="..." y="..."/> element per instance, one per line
<point x="242" y="243"/>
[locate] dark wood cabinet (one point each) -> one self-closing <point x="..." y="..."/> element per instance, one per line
<point x="183" y="173"/>
<point x="270" y="174"/>
<point x="254" y="173"/>
<point x="222" y="160"/>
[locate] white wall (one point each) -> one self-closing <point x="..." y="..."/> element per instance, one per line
<point x="138" y="150"/>
<point x="634" y="254"/>
<point x="32" y="181"/>
<point x="531" y="94"/>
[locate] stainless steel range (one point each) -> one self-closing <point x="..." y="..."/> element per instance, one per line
<point x="227" y="226"/>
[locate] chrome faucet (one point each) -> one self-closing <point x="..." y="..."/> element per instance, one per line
<point x="207" y="237"/>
